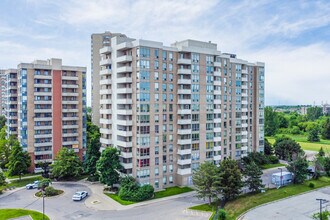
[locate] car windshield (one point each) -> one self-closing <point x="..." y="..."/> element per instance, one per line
<point x="77" y="194"/>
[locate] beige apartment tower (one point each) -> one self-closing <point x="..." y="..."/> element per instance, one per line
<point x="168" y="109"/>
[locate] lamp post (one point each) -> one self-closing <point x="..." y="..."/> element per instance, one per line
<point x="281" y="176"/>
<point x="321" y="202"/>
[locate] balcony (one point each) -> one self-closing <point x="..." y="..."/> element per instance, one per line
<point x="105" y="81"/>
<point x="244" y="132"/>
<point x="184" y="131"/>
<point x="184" y="81"/>
<point x="124" y="69"/>
<point x="244" y="117"/>
<point x="244" y="109"/>
<point x="184" y="61"/>
<point x="217" y="157"/>
<point x="70" y="142"/>
<point x="217" y="120"/>
<point x="70" y="102"/>
<point x="244" y="125"/>
<point x="43" y="76"/>
<point x="184" y="121"/>
<point x="184" y="71"/>
<point x="43" y="127"/>
<point x="42" y="160"/>
<point x="70" y="126"/>
<point x="71" y="86"/>
<point x="105" y="50"/>
<point x="127" y="165"/>
<point x="124" y="46"/>
<point x="217" y="92"/>
<point x="126" y="154"/>
<point x="217" y="111"/>
<point x="105" y="62"/>
<point x="70" y="118"/>
<point x="244" y="87"/>
<point x="244" y="148"/>
<point x="43" y="93"/>
<point x="105" y="72"/>
<point x="39" y="85"/>
<point x="70" y="94"/>
<point x="124" y="90"/>
<point x="186" y="171"/>
<point x="124" y="143"/>
<point x="124" y="59"/>
<point x="43" y="135"/>
<point x="184" y="91"/>
<point x="244" y="79"/>
<point x="217" y="129"/>
<point x="217" y="73"/>
<point x="125" y="122"/>
<point x="105" y="121"/>
<point x="124" y="133"/>
<point x="43" y="119"/>
<point x="43" y="152"/>
<point x="217" y="83"/>
<point x="244" y="102"/>
<point x="244" y="94"/>
<point x="105" y="141"/>
<point x="217" y="148"/>
<point x="70" y="77"/>
<point x="44" y="144"/>
<point x="184" y="111"/>
<point x="124" y="80"/>
<point x="217" y="64"/>
<point x="217" y="101"/>
<point x="185" y="151"/>
<point x="245" y="140"/>
<point x="105" y="91"/>
<point x="105" y="131"/>
<point x="184" y="141"/>
<point x="244" y="71"/>
<point x="184" y="101"/>
<point x="216" y="139"/>
<point x="105" y="101"/>
<point x="184" y="161"/>
<point x="105" y="111"/>
<point x="124" y="111"/>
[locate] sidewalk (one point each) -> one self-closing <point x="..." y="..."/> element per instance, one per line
<point x="9" y="192"/>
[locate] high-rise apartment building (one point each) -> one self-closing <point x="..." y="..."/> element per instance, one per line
<point x="3" y="90"/>
<point x="11" y="102"/>
<point x="98" y="41"/>
<point x="168" y="109"/>
<point x="51" y="108"/>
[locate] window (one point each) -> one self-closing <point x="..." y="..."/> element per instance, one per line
<point x="156" y="86"/>
<point x="145" y="64"/>
<point x="164" y="55"/>
<point x="164" y="66"/>
<point x="156" y="76"/>
<point x="156" y="171"/>
<point x="156" y="65"/>
<point x="156" y="53"/>
<point x="144" y="52"/>
<point x="164" y="77"/>
<point x="170" y="56"/>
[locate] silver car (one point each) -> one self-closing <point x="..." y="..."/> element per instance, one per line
<point x="33" y="185"/>
<point x="79" y="195"/>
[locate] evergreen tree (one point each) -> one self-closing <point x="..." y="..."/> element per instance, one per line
<point x="325" y="130"/>
<point x="313" y="134"/>
<point x="2" y="179"/>
<point x="321" y="152"/>
<point x="271" y="123"/>
<point x="314" y="113"/>
<point x="286" y="148"/>
<point x="252" y="173"/>
<point x="108" y="166"/>
<point x="66" y="165"/>
<point x="19" y="161"/>
<point x="203" y="179"/>
<point x="268" y="148"/>
<point x="299" y="169"/>
<point x="228" y="182"/>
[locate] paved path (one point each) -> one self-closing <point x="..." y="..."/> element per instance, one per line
<point x="300" y="207"/>
<point x="63" y="208"/>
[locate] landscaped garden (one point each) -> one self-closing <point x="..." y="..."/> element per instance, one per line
<point x="15" y="213"/>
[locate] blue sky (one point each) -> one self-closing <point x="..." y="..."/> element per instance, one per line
<point x="291" y="37"/>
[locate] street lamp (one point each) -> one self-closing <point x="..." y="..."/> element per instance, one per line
<point x="321" y="202"/>
<point x="281" y="176"/>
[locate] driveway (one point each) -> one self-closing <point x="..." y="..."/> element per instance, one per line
<point x="300" y="207"/>
<point x="62" y="207"/>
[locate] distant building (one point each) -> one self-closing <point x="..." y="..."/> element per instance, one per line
<point x="46" y="108"/>
<point x="3" y="90"/>
<point x="326" y="109"/>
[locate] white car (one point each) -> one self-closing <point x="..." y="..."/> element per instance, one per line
<point x="33" y="185"/>
<point x="79" y="195"/>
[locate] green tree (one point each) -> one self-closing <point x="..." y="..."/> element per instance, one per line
<point x="325" y="129"/>
<point x="2" y="121"/>
<point x="327" y="165"/>
<point x="286" y="148"/>
<point x="66" y="165"/>
<point x="281" y="120"/>
<point x="203" y="179"/>
<point x="268" y="148"/>
<point x="271" y="123"/>
<point x="299" y="169"/>
<point x="313" y="113"/>
<point x="44" y="183"/>
<point x="108" y="166"/>
<point x="2" y="179"/>
<point x="93" y="149"/>
<point x="19" y="161"/>
<point x="313" y="132"/>
<point x="252" y="172"/>
<point x="228" y="182"/>
<point x="321" y="152"/>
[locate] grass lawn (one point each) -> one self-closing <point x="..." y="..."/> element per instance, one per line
<point x="268" y="166"/>
<point x="302" y="140"/>
<point x="14" y="213"/>
<point x="119" y="200"/>
<point x="245" y="202"/>
<point x="23" y="182"/>
<point x="171" y="191"/>
<point x="25" y="175"/>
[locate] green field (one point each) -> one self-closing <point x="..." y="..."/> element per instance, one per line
<point x="268" y="166"/>
<point x="119" y="200"/>
<point x="15" y="213"/>
<point x="302" y="140"/>
<point x="245" y="202"/>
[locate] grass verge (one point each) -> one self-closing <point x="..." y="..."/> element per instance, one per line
<point x="171" y="191"/>
<point x="119" y="200"/>
<point x="15" y="213"/>
<point x="245" y="202"/>
<point x="25" y="175"/>
<point x="20" y="183"/>
<point x="268" y="166"/>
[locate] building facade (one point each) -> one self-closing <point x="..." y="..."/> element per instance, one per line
<point x="168" y="109"/>
<point x="3" y="91"/>
<point x="11" y="102"/>
<point x="51" y="108"/>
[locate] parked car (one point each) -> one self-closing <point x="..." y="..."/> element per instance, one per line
<point x="33" y="185"/>
<point x="79" y="195"/>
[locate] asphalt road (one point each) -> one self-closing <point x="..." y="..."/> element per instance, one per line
<point x="62" y="207"/>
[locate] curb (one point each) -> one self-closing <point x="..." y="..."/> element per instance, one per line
<point x="11" y="191"/>
<point x="242" y="215"/>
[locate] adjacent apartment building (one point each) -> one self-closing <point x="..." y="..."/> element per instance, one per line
<point x="3" y="89"/>
<point x="11" y="102"/>
<point x="170" y="108"/>
<point x="50" y="112"/>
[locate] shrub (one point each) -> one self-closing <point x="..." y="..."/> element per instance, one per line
<point x="311" y="185"/>
<point x="273" y="159"/>
<point x="258" y="158"/>
<point x="295" y="130"/>
<point x="2" y="179"/>
<point x="325" y="215"/>
<point x="50" y="191"/>
<point x="130" y="190"/>
<point x="222" y="214"/>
